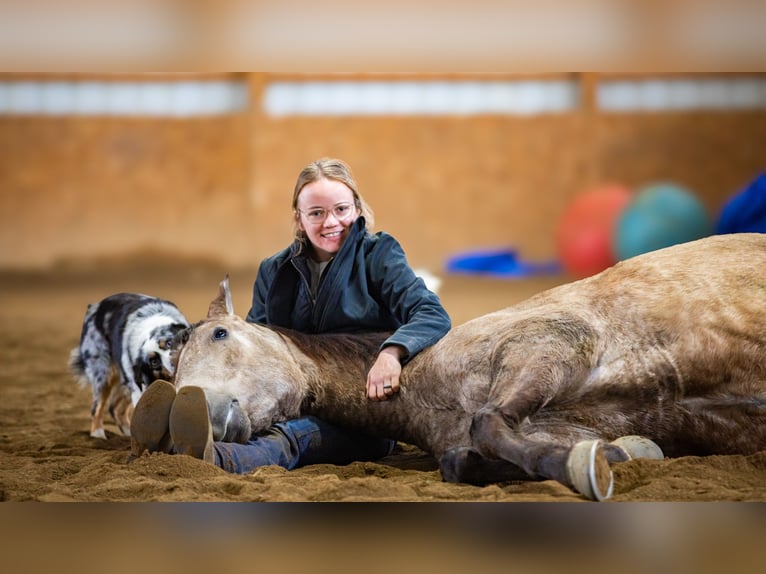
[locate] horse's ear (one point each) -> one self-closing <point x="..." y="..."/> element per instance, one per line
<point x="222" y="304"/>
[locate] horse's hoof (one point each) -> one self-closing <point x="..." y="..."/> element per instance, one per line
<point x="451" y="462"/>
<point x="639" y="447"/>
<point x="588" y="470"/>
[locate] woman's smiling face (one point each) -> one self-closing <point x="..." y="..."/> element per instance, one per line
<point x="326" y="210"/>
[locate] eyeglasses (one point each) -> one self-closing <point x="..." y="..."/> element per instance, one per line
<point x="341" y="212"/>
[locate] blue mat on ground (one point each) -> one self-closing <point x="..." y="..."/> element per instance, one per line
<point x="500" y="263"/>
<point x="746" y="210"/>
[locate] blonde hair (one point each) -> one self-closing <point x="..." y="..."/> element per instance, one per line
<point x="328" y="168"/>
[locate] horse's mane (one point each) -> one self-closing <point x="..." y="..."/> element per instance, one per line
<point x="338" y="347"/>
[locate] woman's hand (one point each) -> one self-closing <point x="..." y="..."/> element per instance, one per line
<point x="383" y="378"/>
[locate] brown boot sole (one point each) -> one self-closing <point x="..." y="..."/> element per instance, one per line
<point x="150" y="423"/>
<point x="190" y="426"/>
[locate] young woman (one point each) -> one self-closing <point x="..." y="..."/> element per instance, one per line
<point x="336" y="276"/>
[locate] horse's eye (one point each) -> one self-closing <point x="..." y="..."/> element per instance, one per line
<point x="220" y="333"/>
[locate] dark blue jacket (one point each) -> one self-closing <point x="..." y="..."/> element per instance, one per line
<point x="368" y="286"/>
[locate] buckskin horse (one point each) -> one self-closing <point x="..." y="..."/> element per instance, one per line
<point x="663" y="354"/>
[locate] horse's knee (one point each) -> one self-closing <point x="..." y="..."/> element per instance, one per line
<point x="489" y="427"/>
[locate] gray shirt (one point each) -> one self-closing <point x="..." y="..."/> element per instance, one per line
<point x="316" y="269"/>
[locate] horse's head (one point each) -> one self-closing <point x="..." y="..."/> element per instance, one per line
<point x="224" y="354"/>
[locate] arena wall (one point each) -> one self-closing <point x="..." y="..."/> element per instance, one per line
<point x="78" y="188"/>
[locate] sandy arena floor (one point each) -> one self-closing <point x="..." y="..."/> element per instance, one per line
<point x="47" y="455"/>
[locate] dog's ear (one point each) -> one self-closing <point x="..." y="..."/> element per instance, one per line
<point x="180" y="339"/>
<point x="221" y="305"/>
<point x="176" y="344"/>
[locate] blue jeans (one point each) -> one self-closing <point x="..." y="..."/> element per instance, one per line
<point x="299" y="442"/>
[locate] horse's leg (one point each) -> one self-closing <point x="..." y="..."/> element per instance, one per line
<point x="543" y="376"/>
<point x="466" y="464"/>
<point x="579" y="460"/>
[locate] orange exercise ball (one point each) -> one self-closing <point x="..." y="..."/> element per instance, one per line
<point x="585" y="234"/>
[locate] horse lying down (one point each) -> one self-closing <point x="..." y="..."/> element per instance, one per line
<point x="669" y="346"/>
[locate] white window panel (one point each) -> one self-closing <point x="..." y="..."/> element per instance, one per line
<point x="154" y="99"/>
<point x="736" y="93"/>
<point x="408" y="98"/>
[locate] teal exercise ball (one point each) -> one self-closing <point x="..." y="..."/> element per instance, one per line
<point x="660" y="215"/>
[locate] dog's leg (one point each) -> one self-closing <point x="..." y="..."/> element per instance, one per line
<point x="92" y="364"/>
<point x="100" y="402"/>
<point x="121" y="408"/>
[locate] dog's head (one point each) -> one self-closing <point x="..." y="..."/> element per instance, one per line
<point x="177" y="343"/>
<point x="157" y="359"/>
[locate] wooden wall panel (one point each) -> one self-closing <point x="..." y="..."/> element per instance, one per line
<point x="78" y="188"/>
<point x="446" y="185"/>
<point x="92" y="187"/>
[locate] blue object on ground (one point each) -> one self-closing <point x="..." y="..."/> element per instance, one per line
<point x="745" y="212"/>
<point x="500" y="263"/>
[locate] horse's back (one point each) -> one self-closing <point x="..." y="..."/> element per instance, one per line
<point x="696" y="312"/>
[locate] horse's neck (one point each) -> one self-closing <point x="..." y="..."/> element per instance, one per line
<point x="337" y="393"/>
<point x="323" y="373"/>
<point x="333" y="388"/>
<point x="340" y="361"/>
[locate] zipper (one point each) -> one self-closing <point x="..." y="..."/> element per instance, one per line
<point x="322" y="282"/>
<point x="306" y="283"/>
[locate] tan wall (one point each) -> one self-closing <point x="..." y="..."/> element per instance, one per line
<point x="80" y="188"/>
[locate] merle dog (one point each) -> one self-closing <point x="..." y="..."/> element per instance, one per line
<point x="126" y="338"/>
